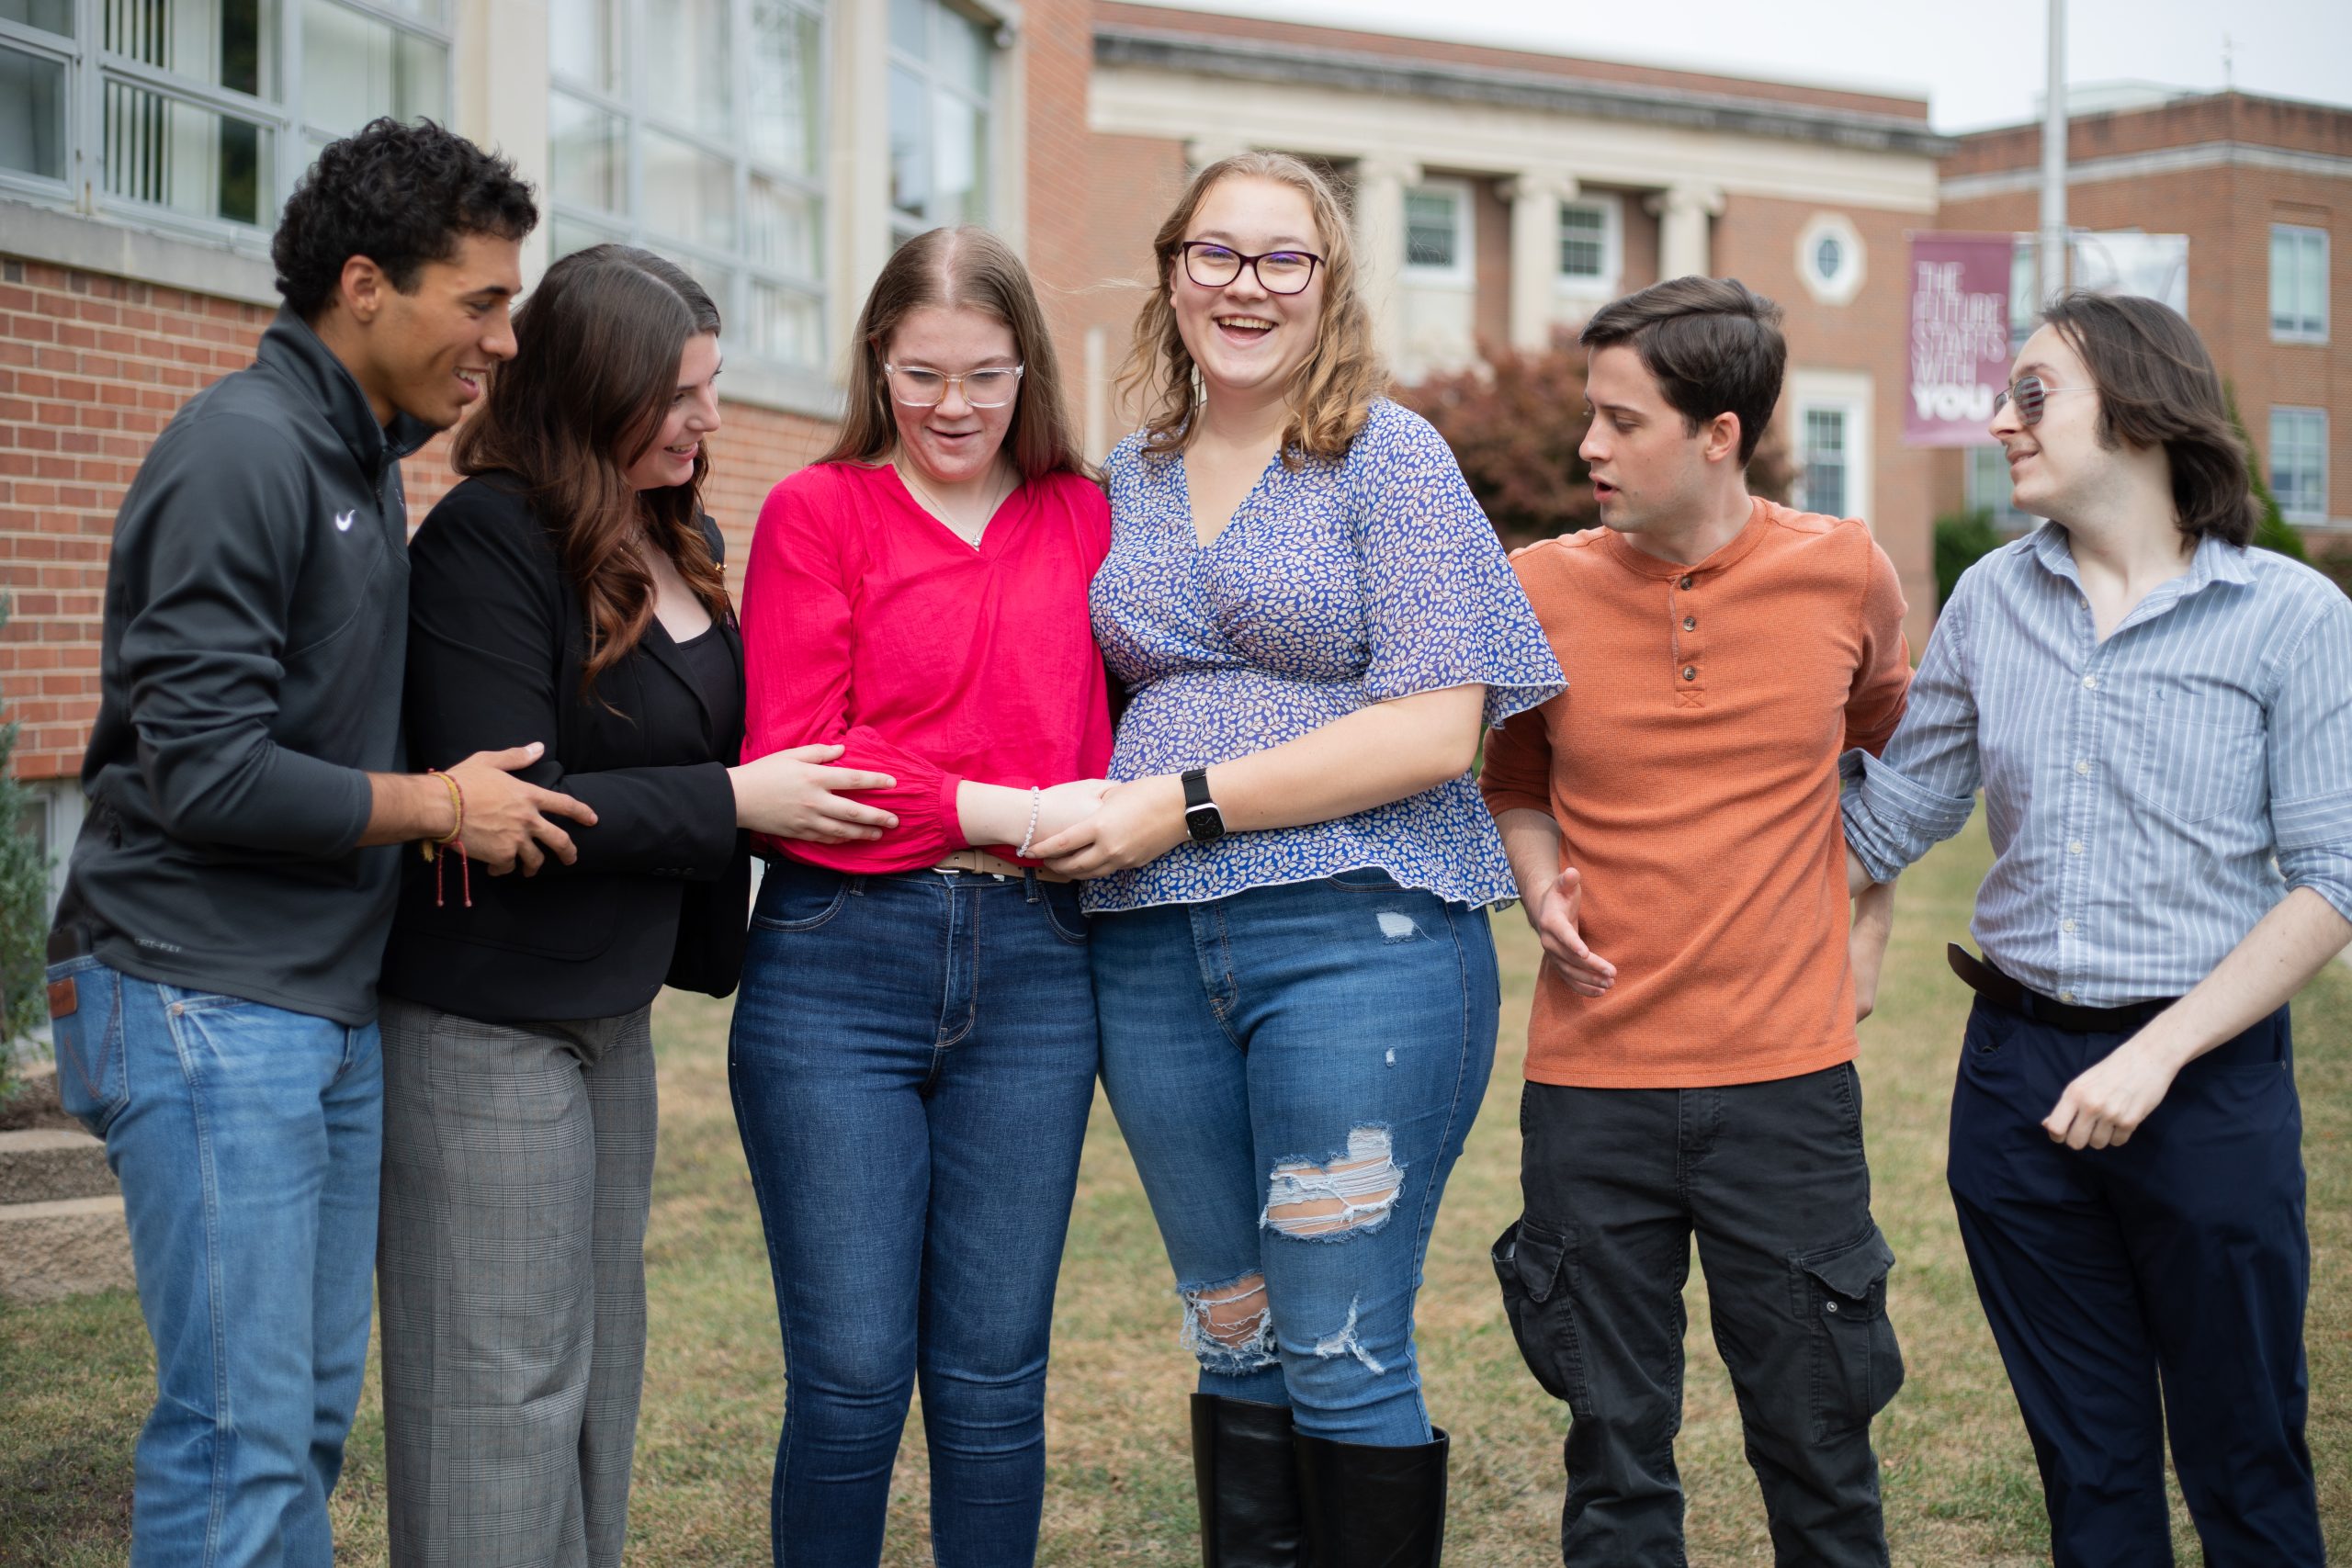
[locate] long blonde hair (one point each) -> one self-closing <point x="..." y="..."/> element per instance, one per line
<point x="1330" y="395"/>
<point x="965" y="268"/>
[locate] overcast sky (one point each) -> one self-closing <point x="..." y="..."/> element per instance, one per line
<point x="1980" y="62"/>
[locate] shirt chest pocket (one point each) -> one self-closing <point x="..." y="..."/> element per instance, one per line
<point x="2198" y="755"/>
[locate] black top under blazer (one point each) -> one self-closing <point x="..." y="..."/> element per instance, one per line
<point x="661" y="889"/>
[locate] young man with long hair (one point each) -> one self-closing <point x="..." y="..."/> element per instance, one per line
<point x="214" y="963"/>
<point x="1672" y="822"/>
<point x="2161" y="721"/>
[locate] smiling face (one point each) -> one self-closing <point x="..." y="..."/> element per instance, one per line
<point x="1248" y="340"/>
<point x="954" y="443"/>
<point x="2056" y="464"/>
<point x="1650" y="474"/>
<point x="428" y="349"/>
<point x="692" y="414"/>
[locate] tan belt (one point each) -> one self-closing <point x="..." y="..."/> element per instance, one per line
<point x="996" y="865"/>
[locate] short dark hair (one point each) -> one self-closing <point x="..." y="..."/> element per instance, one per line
<point x="1713" y="344"/>
<point x="2157" y="386"/>
<point x="398" y="195"/>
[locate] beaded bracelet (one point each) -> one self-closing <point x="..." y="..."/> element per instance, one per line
<point x="1037" y="800"/>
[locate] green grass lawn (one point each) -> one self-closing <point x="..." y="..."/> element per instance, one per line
<point x="75" y="1380"/>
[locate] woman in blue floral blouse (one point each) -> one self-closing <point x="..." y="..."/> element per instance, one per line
<point x="1291" y="962"/>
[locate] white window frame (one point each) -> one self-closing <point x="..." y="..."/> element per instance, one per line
<point x="1464" y="270"/>
<point x="994" y="107"/>
<point x="2299" y="329"/>
<point x="1612" y="251"/>
<point x="1842" y="289"/>
<point x="631" y="105"/>
<point x="1850" y="393"/>
<point x="89" y="66"/>
<point x="2315" y="417"/>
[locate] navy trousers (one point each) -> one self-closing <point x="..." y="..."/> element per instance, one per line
<point x="2163" y="1280"/>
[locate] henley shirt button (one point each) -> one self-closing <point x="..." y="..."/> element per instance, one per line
<point x="2082" y="767"/>
<point x="1690" y="672"/>
<point x="1685" y="584"/>
<point x="1690" y="623"/>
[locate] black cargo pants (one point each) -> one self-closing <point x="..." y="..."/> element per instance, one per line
<point x="1770" y="1178"/>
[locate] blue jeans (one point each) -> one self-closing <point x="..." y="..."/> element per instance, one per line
<point x="912" y="1063"/>
<point x="1295" y="1069"/>
<point x="247" y="1140"/>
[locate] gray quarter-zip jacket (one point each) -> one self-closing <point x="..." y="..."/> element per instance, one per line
<point x="255" y="632"/>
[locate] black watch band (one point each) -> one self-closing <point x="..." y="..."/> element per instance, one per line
<point x="1202" y="818"/>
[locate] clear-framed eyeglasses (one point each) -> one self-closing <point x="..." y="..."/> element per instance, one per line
<point x="921" y="386"/>
<point x="2028" y="392"/>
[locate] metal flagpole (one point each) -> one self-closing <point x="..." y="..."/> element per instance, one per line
<point x="2053" y="269"/>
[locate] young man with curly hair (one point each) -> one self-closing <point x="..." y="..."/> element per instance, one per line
<point x="213" y="966"/>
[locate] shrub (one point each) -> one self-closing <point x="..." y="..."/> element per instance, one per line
<point x="1960" y="539"/>
<point x="1515" y="425"/>
<point x="24" y="911"/>
<point x="2272" y="532"/>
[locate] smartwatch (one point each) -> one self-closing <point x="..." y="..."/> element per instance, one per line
<point x="1202" y="818"/>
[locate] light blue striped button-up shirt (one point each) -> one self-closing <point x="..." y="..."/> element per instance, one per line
<point x="2150" y="796"/>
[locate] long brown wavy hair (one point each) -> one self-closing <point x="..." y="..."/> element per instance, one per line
<point x="1331" y="395"/>
<point x="965" y="268"/>
<point x="595" y="366"/>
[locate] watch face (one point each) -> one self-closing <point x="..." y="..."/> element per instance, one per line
<point x="1203" y="822"/>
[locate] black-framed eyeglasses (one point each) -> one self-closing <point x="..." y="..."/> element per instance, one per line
<point x="2028" y="392"/>
<point x="919" y="387"/>
<point x="1212" y="266"/>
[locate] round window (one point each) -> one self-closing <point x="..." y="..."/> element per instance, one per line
<point x="1828" y="258"/>
<point x="1831" y="259"/>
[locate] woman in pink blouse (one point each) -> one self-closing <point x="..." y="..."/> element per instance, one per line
<point x="913" y="1053"/>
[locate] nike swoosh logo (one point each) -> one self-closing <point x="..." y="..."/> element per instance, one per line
<point x="343" y="520"/>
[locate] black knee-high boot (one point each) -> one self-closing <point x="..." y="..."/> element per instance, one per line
<point x="1373" y="1508"/>
<point x="1243" y="1464"/>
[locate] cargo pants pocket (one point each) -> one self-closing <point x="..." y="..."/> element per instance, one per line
<point x="1535" y="1266"/>
<point x="1856" y="1364"/>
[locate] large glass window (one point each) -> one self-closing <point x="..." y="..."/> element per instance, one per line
<point x="1591" y="248"/>
<point x="1989" y="491"/>
<point x="943" y="92"/>
<point x="2299" y="463"/>
<point x="1826" y="458"/>
<point x="206" y="111"/>
<point x="2298" y="283"/>
<point x="693" y="128"/>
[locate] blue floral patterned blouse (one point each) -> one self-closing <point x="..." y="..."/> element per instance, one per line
<point x="1335" y="586"/>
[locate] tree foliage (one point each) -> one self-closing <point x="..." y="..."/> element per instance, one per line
<point x="1515" y="423"/>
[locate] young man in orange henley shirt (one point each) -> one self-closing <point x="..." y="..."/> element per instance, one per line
<point x="1672" y="820"/>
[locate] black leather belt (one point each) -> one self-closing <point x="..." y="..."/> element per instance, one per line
<point x="2002" y="991"/>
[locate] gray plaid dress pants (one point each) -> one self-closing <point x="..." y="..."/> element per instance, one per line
<point x="518" y="1167"/>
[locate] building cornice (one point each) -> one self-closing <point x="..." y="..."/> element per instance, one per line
<point x="1357" y="71"/>
<point x="2160" y="160"/>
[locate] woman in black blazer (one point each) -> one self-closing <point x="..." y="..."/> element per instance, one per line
<point x="568" y="590"/>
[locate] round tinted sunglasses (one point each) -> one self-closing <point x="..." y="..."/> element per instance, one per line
<point x="2029" y="392"/>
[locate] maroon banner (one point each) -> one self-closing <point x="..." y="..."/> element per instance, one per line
<point x="1959" y="337"/>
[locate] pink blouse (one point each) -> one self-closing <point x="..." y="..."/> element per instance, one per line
<point x="870" y="624"/>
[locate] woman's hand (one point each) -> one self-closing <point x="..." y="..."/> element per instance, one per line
<point x="1135" y="823"/>
<point x="790" y="795"/>
<point x="1065" y="806"/>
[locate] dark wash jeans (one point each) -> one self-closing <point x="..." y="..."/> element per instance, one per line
<point x="1770" y="1178"/>
<point x="912" y="1061"/>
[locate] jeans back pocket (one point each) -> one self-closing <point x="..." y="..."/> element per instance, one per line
<point x="91" y="1083"/>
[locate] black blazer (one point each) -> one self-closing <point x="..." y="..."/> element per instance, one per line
<point x="661" y="889"/>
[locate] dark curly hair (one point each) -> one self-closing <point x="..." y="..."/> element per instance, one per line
<point x="398" y="195"/>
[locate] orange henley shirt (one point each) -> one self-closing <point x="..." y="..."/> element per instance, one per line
<point x="1692" y="767"/>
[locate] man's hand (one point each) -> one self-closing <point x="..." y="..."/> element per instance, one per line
<point x="1137" y="822"/>
<point x="1555" y="922"/>
<point x="2104" y="1106"/>
<point x="507" y="818"/>
<point x="1866" y="943"/>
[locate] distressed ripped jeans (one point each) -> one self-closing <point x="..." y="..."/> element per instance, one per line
<point x="1295" y="1069"/>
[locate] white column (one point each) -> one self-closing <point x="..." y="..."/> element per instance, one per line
<point x="502" y="49"/>
<point x="1380" y="244"/>
<point x="1683" y="248"/>
<point x="1535" y="195"/>
<point x="857" y="158"/>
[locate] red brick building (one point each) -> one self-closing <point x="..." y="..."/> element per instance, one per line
<point x="780" y="148"/>
<point x="2262" y="189"/>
